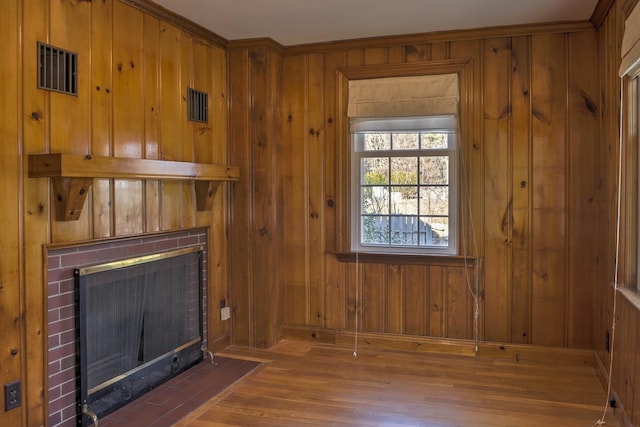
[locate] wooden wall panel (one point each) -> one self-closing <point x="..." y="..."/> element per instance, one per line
<point x="294" y="161"/>
<point x="11" y="293"/>
<point x="151" y="79"/>
<point x="315" y="143"/>
<point x="520" y="331"/>
<point x="527" y="111"/>
<point x="128" y="114"/>
<point x="549" y="186"/>
<point x="101" y="113"/>
<point x="70" y="116"/>
<point x="498" y="202"/>
<point x="35" y="119"/>
<point x="118" y="111"/>
<point x="240" y="245"/>
<point x="581" y="240"/>
<point x="170" y="123"/>
<point x="258" y="280"/>
<point x="626" y="363"/>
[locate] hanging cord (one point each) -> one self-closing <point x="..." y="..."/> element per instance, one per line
<point x="601" y="421"/>
<point x="474" y="291"/>
<point x="355" y="344"/>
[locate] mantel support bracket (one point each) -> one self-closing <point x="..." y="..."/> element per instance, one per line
<point x="69" y="195"/>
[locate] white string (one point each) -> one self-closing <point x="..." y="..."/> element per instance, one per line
<point x="355" y="344"/>
<point x="474" y="294"/>
<point x="601" y="421"/>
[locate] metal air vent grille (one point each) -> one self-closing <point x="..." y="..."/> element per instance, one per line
<point x="198" y="106"/>
<point x="57" y="69"/>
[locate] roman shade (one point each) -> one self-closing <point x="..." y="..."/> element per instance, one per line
<point x="631" y="43"/>
<point x="405" y="103"/>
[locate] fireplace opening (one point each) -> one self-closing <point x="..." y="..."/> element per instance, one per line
<point x="139" y="325"/>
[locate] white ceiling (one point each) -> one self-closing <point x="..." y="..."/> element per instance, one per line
<point x="292" y="22"/>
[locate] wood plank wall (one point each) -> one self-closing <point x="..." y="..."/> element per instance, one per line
<point x="134" y="69"/>
<point x="626" y="363"/>
<point x="533" y="144"/>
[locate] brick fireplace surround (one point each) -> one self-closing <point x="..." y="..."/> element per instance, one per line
<point x="61" y="333"/>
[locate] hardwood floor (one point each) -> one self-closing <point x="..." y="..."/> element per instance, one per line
<point x="316" y="385"/>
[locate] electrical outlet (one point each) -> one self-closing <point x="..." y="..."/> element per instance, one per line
<point x="12" y="395"/>
<point x="225" y="313"/>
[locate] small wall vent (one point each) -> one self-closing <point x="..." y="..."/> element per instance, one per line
<point x="57" y="69"/>
<point x="197" y="106"/>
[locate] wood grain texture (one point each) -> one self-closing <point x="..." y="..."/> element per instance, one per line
<point x="114" y="110"/>
<point x="12" y="358"/>
<point x="626" y="367"/>
<point x="305" y="384"/>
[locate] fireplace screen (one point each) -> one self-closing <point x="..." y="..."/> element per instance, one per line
<point x="140" y="323"/>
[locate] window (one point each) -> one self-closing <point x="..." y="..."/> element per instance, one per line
<point x="403" y="169"/>
<point x="403" y="189"/>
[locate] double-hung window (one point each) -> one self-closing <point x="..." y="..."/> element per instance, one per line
<point x="405" y="192"/>
<point x="403" y="168"/>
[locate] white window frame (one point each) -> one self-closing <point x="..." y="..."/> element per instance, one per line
<point x="358" y="154"/>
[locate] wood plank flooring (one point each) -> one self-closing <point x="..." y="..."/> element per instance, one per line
<point x="303" y="384"/>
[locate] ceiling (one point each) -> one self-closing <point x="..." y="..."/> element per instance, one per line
<point x="293" y="22"/>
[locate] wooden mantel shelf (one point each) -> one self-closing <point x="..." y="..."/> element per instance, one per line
<point x="73" y="174"/>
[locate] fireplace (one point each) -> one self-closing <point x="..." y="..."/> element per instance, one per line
<point x="124" y="316"/>
<point x="139" y="325"/>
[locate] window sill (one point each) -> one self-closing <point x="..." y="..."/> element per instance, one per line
<point x="632" y="295"/>
<point x="377" y="258"/>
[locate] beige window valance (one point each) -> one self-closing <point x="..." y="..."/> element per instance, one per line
<point x="631" y="43"/>
<point x="415" y="96"/>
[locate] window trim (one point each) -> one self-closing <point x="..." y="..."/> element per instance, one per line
<point x="464" y="69"/>
<point x="356" y="217"/>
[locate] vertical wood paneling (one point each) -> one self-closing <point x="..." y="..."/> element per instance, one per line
<point x="240" y="245"/>
<point x="416" y="305"/>
<point x="437" y="302"/>
<point x="128" y="114"/>
<point x="521" y="189"/>
<point x="170" y="121"/>
<point x="584" y="111"/>
<point x="374" y="289"/>
<point x="11" y="292"/>
<point x="70" y="115"/>
<point x="394" y="316"/>
<point x="293" y="162"/>
<point x="117" y="112"/>
<point x="187" y="201"/>
<point x="35" y="139"/>
<point x="315" y="143"/>
<point x="336" y="294"/>
<point x="473" y="190"/>
<point x="151" y="81"/>
<point x="497" y="192"/>
<point x="549" y="91"/>
<point x="459" y="313"/>
<point x="101" y="112"/>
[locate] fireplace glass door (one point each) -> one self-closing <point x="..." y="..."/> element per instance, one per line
<point x="140" y="324"/>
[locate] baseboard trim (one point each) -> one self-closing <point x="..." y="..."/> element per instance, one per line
<point x="495" y="351"/>
<point x="602" y="372"/>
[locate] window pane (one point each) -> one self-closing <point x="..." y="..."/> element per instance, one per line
<point x="435" y="230"/>
<point x="404" y="170"/>
<point x="375" y="170"/>
<point x="434" y="200"/>
<point x="405" y="141"/>
<point x="404" y="200"/>
<point x="375" y="230"/>
<point x="434" y="140"/>
<point x="377" y="141"/>
<point x="404" y="230"/>
<point x="375" y="200"/>
<point x="434" y="170"/>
